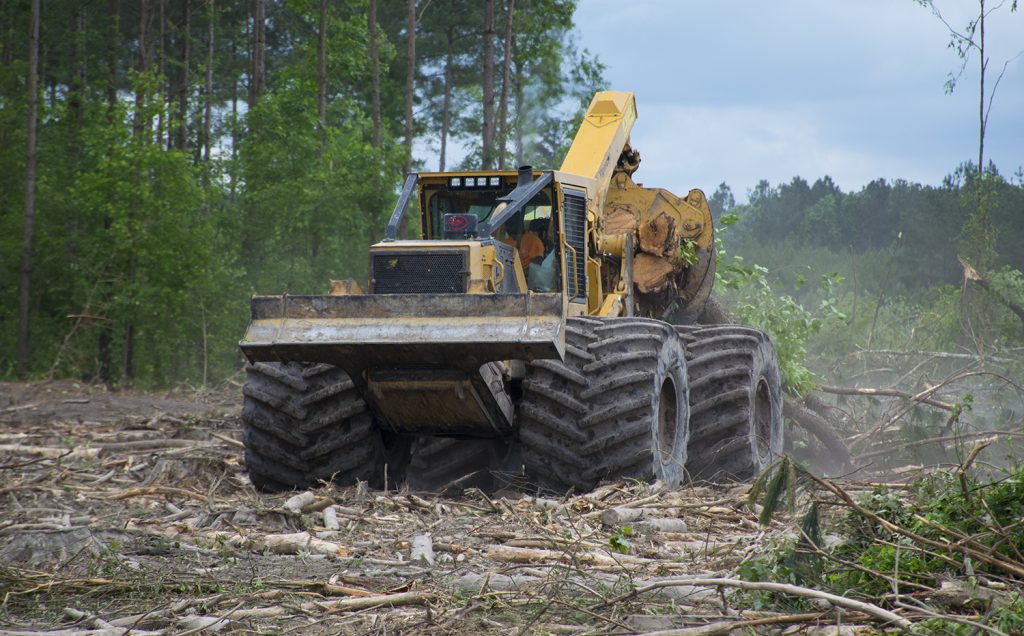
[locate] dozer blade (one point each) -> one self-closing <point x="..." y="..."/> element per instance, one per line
<point x="368" y="332"/>
<point x="418" y="360"/>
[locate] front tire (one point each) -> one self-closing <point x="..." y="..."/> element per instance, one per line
<point x="617" y="407"/>
<point x="304" y="424"/>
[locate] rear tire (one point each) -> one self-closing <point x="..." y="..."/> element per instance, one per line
<point x="617" y="407"/>
<point x="735" y="402"/>
<point x="304" y="424"/>
<point x="441" y="462"/>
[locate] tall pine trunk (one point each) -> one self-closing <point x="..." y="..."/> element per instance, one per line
<point x="105" y="340"/>
<point x="518" y="127"/>
<point x="181" y="126"/>
<point x="410" y="82"/>
<point x="163" y="76"/>
<point x="233" y="172"/>
<point x="140" y="133"/>
<point x="138" y="123"/>
<point x="257" y="66"/>
<point x="487" y="136"/>
<point x="24" y="345"/>
<point x="76" y="83"/>
<point x="506" y="76"/>
<point x="374" y="72"/>
<point x="446" y="102"/>
<point x="208" y="110"/>
<point x="321" y="71"/>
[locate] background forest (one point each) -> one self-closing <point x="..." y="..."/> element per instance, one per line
<point x="161" y="161"/>
<point x="189" y="153"/>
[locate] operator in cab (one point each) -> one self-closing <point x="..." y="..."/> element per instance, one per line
<point x="530" y="246"/>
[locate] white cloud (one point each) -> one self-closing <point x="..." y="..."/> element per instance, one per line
<point x="739" y="91"/>
<point x="696" y="146"/>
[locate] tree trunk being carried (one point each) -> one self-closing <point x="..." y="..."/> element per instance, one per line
<point x="658" y="237"/>
<point x="653" y="274"/>
<point x="674" y="260"/>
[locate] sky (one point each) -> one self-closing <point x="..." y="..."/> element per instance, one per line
<point x="743" y="90"/>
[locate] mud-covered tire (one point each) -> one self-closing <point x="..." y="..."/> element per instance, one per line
<point x="441" y="462"/>
<point x="305" y="423"/>
<point x="617" y="407"/>
<point x="735" y="402"/>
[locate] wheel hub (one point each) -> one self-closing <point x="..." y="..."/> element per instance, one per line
<point x="762" y="429"/>
<point x="667" y="414"/>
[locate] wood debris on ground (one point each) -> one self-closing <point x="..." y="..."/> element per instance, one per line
<point x="137" y="517"/>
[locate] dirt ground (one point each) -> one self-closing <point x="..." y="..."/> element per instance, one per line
<point x="132" y="513"/>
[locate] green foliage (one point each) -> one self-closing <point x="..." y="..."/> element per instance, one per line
<point x="619" y="540"/>
<point x="1008" y="618"/>
<point x="778" y="483"/>
<point x="989" y="513"/>
<point x="941" y="508"/>
<point x="756" y="302"/>
<point x="688" y="251"/>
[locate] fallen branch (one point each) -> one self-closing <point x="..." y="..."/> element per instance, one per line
<point x="723" y="628"/>
<point x="783" y="588"/>
<point x="298" y="542"/>
<point x="229" y="440"/>
<point x="983" y="435"/>
<point x="1009" y="567"/>
<point x="165" y="491"/>
<point x="933" y="354"/>
<point x="535" y="555"/>
<point x="927" y="393"/>
<point x="51" y="452"/>
<point x="343" y="605"/>
<point x="972" y="275"/>
<point x="820" y="428"/>
<point x="850" y="390"/>
<point x="327" y="589"/>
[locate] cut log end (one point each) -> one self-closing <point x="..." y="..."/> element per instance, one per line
<point x="659" y="237"/>
<point x="652" y="274"/>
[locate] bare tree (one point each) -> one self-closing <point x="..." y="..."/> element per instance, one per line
<point x="977" y="244"/>
<point x="487" y="140"/>
<point x="967" y="42"/>
<point x="24" y="344"/>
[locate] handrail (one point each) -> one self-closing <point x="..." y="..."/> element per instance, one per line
<point x="403" y="202"/>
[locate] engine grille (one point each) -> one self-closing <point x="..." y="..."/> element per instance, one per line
<point x="576" y="236"/>
<point x="438" y="272"/>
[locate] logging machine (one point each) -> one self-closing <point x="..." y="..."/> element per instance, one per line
<point x="551" y="315"/>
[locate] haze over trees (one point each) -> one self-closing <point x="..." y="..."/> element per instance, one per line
<point x="190" y="153"/>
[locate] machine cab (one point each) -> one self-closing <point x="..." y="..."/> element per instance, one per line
<point x="511" y="226"/>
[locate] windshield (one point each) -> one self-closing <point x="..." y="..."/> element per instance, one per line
<point x="439" y="200"/>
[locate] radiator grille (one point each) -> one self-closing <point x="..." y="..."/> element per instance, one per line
<point x="440" y="272"/>
<point x="576" y="237"/>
